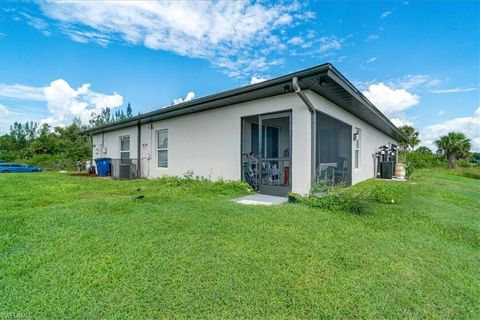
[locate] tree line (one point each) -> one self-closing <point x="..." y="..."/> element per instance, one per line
<point x="58" y="147"/>
<point x="452" y="149"/>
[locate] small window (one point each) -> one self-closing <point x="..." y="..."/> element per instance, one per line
<point x="162" y="148"/>
<point x="125" y="147"/>
<point x="357" y="136"/>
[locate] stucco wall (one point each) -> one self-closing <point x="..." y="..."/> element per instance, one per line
<point x="208" y="143"/>
<point x="111" y="143"/>
<point x="371" y="138"/>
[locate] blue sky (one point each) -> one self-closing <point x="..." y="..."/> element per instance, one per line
<point x="417" y="61"/>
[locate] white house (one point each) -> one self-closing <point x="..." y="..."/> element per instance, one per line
<point x="280" y="135"/>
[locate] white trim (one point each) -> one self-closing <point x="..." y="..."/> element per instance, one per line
<point x="157" y="132"/>
<point x="357" y="147"/>
<point x="124" y="151"/>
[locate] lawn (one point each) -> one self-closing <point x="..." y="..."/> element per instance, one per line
<point x="76" y="247"/>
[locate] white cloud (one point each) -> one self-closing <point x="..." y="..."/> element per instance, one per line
<point x="385" y="14"/>
<point x="390" y="101"/>
<point x="373" y="59"/>
<point x="371" y="37"/>
<point x="296" y="41"/>
<point x="190" y="96"/>
<point x="329" y="43"/>
<point x="433" y="83"/>
<point x="470" y="126"/>
<point x="3" y="117"/>
<point x="66" y="103"/>
<point x="453" y="90"/>
<point x="440" y="113"/>
<point x="229" y="34"/>
<point x="63" y="102"/>
<point x="401" y="122"/>
<point x="256" y="80"/>
<point x="37" y="23"/>
<point x="8" y="115"/>
<point x="3" y="111"/>
<point x="18" y="91"/>
<point x="409" y="82"/>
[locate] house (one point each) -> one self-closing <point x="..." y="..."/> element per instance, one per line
<point x="280" y="135"/>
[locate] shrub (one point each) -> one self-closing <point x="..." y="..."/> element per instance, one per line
<point x="376" y="192"/>
<point x="203" y="185"/>
<point x="471" y="172"/>
<point x="49" y="162"/>
<point x="424" y="158"/>
<point x="464" y="163"/>
<point x="294" y="197"/>
<point x="337" y="200"/>
<point x="356" y="199"/>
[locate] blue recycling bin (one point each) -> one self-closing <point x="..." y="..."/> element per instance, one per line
<point x="103" y="166"/>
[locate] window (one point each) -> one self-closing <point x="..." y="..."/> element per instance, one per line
<point x="356" y="140"/>
<point x="125" y="147"/>
<point x="162" y="148"/>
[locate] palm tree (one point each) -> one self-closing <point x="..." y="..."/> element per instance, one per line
<point x="412" y="140"/>
<point x="412" y="137"/>
<point x="453" y="146"/>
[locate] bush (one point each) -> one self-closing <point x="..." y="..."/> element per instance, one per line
<point x="472" y="172"/>
<point x="464" y="163"/>
<point x="356" y="199"/>
<point x="339" y="201"/>
<point x="376" y="191"/>
<point x="202" y="185"/>
<point x="49" y="162"/>
<point x="424" y="158"/>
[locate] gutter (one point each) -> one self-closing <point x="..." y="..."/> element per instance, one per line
<point x="313" y="123"/>
<point x="139" y="141"/>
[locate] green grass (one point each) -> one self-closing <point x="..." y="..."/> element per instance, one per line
<point x="75" y="247"/>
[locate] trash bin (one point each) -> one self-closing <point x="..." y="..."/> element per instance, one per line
<point x="103" y="166"/>
<point x="386" y="169"/>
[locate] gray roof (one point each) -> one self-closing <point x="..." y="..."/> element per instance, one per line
<point x="324" y="79"/>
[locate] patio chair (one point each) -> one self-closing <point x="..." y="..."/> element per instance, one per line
<point x="326" y="172"/>
<point x="341" y="174"/>
<point x="275" y="175"/>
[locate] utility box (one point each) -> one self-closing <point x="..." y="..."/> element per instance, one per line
<point x="124" y="168"/>
<point x="386" y="169"/>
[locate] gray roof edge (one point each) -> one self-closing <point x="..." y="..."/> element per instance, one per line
<point x="359" y="95"/>
<point x="177" y="109"/>
<point x="221" y="95"/>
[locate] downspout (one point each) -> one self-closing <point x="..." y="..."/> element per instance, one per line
<point x="313" y="137"/>
<point x="90" y="136"/>
<point x="139" y="139"/>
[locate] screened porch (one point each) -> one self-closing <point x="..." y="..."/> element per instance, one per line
<point x="333" y="151"/>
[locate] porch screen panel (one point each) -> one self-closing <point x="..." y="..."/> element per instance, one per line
<point x="333" y="151"/>
<point x="254" y="139"/>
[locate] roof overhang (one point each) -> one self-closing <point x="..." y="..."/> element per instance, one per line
<point x="324" y="80"/>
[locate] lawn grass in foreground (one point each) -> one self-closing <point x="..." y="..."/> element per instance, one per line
<point x="75" y="247"/>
